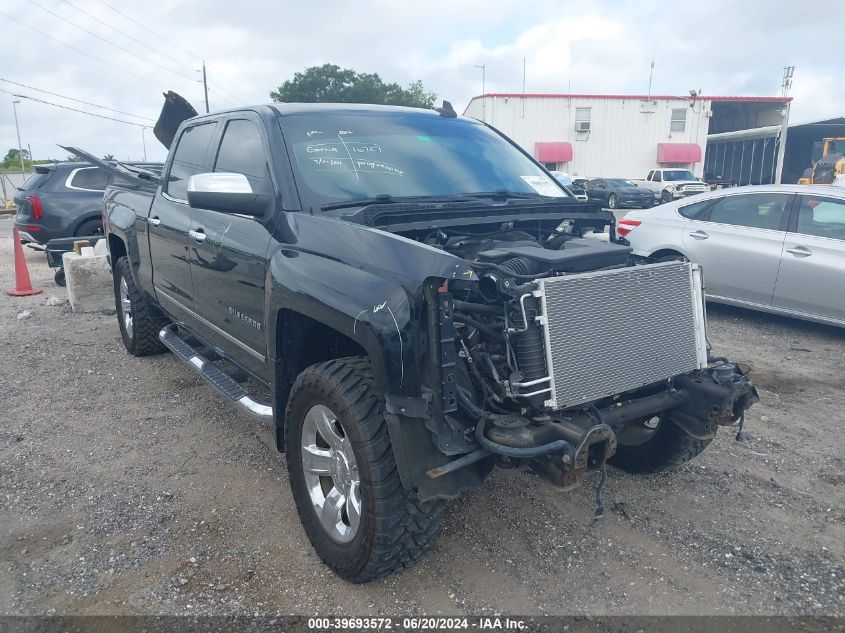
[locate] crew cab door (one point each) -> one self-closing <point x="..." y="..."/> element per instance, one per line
<point x="652" y="181"/>
<point x="813" y="264"/>
<point x="169" y="220"/>
<point x="228" y="252"/>
<point x="738" y="241"/>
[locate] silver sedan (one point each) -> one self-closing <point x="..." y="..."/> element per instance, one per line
<point x="776" y="248"/>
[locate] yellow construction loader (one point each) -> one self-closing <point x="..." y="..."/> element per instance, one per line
<point x="831" y="163"/>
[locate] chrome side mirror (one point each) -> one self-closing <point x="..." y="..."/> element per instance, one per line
<point x="225" y="192"/>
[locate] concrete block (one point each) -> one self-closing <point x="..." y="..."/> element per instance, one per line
<point x="89" y="283"/>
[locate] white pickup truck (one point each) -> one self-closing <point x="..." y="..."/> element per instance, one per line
<point x="671" y="184"/>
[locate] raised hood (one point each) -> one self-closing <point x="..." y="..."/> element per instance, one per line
<point x="175" y="110"/>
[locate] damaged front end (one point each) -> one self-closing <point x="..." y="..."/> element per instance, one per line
<point x="555" y="356"/>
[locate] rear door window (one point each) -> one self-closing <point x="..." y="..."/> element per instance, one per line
<point x="754" y="210"/>
<point x="89" y="178"/>
<point x="190" y="157"/>
<point x="693" y="210"/>
<point x="821" y="216"/>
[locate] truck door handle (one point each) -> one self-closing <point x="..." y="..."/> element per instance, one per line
<point x="154" y="220"/>
<point x="799" y="251"/>
<point x="699" y="235"/>
<point x="199" y="235"/>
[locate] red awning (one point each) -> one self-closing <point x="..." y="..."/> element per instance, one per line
<point x="553" y="152"/>
<point x="678" y="153"/>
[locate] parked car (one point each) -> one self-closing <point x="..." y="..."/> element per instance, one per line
<point x="671" y="184"/>
<point x="775" y="248"/>
<point x="404" y="286"/>
<point x="717" y="181"/>
<point x="63" y="200"/>
<point x="619" y="193"/>
<point x="566" y="180"/>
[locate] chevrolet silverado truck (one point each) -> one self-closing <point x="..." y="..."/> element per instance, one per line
<point x="411" y="301"/>
<point x="670" y="184"/>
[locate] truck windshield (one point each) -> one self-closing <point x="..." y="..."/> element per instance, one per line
<point x="678" y="174"/>
<point x="351" y="155"/>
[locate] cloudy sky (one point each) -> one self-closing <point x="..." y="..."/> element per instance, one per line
<point x="250" y="47"/>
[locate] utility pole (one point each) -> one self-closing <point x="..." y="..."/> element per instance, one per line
<point x="144" y="143"/>
<point x="650" y="76"/>
<point x="787" y="80"/>
<point x="205" y="86"/>
<point x="18" y="130"/>
<point x="483" y="68"/>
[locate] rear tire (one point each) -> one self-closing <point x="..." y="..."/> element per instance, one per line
<point x="388" y="528"/>
<point x="611" y="201"/>
<point x="59" y="278"/>
<point x="89" y="228"/>
<point x="139" y="327"/>
<point x="668" y="447"/>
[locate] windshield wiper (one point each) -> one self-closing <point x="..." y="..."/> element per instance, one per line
<point x="503" y="193"/>
<point x="385" y="198"/>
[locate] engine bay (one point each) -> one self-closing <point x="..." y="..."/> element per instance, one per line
<point x="494" y="351"/>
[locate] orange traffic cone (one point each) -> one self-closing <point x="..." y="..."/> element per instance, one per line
<point x="22" y="282"/>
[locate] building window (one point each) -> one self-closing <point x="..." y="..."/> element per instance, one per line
<point x="679" y="120"/>
<point x="582" y="119"/>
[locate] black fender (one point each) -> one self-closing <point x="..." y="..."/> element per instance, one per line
<point x="123" y="223"/>
<point x="367" y="285"/>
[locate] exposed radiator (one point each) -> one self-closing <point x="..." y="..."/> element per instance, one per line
<point x="612" y="331"/>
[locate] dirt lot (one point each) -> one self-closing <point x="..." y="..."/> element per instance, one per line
<point x="127" y="486"/>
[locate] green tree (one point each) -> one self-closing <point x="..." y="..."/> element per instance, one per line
<point x="108" y="157"/>
<point x="332" y="84"/>
<point x="13" y="155"/>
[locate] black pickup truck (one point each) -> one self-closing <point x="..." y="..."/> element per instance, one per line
<point x="411" y="300"/>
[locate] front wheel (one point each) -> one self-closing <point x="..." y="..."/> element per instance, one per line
<point x="654" y="446"/>
<point x="139" y="328"/>
<point x="343" y="476"/>
<point x="611" y="201"/>
<point x="665" y="197"/>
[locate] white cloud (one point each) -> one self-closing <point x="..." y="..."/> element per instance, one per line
<point x="252" y="46"/>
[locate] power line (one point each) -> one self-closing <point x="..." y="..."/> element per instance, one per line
<point x="223" y="91"/>
<point x="109" y="42"/>
<point x="56" y="94"/>
<point x="57" y="105"/>
<point x="126" y="35"/>
<point x="79" y="50"/>
<point x="162" y="38"/>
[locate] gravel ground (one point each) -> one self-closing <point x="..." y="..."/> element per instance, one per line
<point x="129" y="487"/>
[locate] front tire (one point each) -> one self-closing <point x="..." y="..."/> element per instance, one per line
<point x="644" y="450"/>
<point x="360" y="519"/>
<point x="611" y="201"/>
<point x="139" y="328"/>
<point x="665" y="197"/>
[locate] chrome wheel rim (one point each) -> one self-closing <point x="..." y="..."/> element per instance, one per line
<point x="331" y="474"/>
<point x="125" y="307"/>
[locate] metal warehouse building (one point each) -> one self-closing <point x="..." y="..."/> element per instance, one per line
<point x="626" y="136"/>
